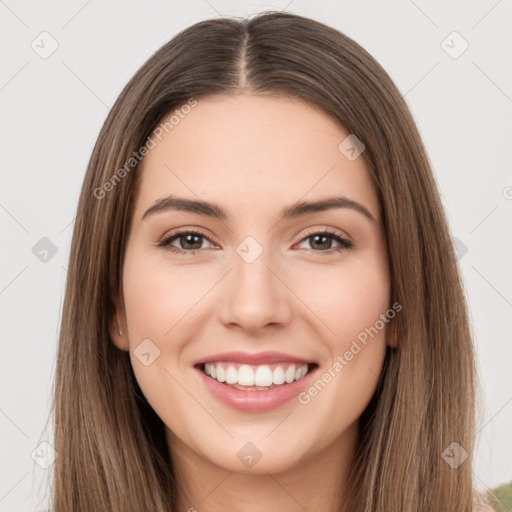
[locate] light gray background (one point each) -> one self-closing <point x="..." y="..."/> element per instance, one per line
<point x="53" y="108"/>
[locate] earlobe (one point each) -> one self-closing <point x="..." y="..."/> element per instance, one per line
<point x="118" y="333"/>
<point x="391" y="337"/>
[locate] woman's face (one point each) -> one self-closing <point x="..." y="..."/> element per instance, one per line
<point x="255" y="281"/>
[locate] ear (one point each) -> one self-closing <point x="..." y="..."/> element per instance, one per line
<point x="391" y="336"/>
<point x="117" y="324"/>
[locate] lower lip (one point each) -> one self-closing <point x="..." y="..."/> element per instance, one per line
<point x="255" y="401"/>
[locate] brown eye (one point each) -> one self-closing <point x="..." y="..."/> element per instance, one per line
<point x="190" y="242"/>
<point x="322" y="242"/>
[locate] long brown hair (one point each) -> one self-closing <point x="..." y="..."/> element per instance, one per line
<point x="112" y="453"/>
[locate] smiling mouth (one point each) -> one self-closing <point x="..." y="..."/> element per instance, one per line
<point x="248" y="377"/>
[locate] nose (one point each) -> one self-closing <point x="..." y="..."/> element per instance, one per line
<point x="255" y="294"/>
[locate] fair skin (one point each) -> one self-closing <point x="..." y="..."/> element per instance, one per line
<point x="254" y="155"/>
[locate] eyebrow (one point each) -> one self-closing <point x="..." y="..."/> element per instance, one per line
<point x="298" y="209"/>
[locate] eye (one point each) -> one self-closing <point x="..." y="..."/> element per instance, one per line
<point x="322" y="240"/>
<point x="191" y="240"/>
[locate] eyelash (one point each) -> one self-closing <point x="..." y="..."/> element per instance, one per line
<point x="345" y="244"/>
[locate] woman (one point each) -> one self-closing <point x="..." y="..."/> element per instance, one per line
<point x="217" y="350"/>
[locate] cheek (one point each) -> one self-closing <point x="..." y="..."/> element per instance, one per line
<point x="159" y="307"/>
<point x="348" y="297"/>
<point x="159" y="296"/>
<point x="356" y="344"/>
<point x="354" y="310"/>
<point x="362" y="300"/>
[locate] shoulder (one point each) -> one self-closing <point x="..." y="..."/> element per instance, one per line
<point x="499" y="498"/>
<point x="482" y="503"/>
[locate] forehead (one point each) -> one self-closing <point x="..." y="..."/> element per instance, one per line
<point x="252" y="151"/>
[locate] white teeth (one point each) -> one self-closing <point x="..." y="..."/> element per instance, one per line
<point x="231" y="375"/>
<point x="300" y="372"/>
<point x="263" y="376"/>
<point x="289" y="376"/>
<point x="245" y="375"/>
<point x="221" y="374"/>
<point x="255" y="376"/>
<point x="278" y="375"/>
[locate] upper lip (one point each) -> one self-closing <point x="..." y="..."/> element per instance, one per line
<point x="255" y="358"/>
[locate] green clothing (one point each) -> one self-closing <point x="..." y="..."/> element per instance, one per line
<point x="501" y="497"/>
